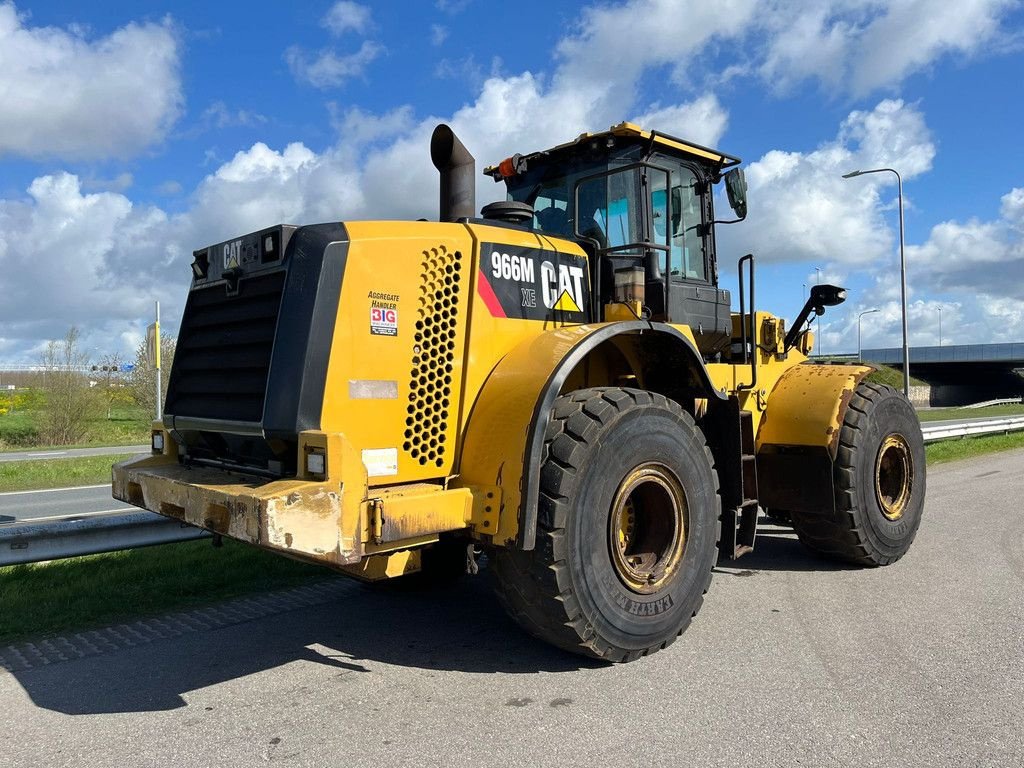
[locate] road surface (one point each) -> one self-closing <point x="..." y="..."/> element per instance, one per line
<point x="70" y="453"/>
<point x="792" y="661"/>
<point x="41" y="505"/>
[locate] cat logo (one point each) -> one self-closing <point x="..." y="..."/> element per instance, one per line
<point x="562" y="289"/>
<point x="232" y="254"/>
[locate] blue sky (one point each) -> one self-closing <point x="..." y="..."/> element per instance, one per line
<point x="132" y="133"/>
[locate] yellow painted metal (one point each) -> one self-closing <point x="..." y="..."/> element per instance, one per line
<point x="386" y="566"/>
<point x="807" y="405"/>
<point x="392" y="393"/>
<point x="420" y="509"/>
<point x="624" y="311"/>
<point x="670" y="142"/>
<point x="631" y="129"/>
<point x="495" y="444"/>
<point x="894" y="476"/>
<point x="647" y="528"/>
<point x="772" y="365"/>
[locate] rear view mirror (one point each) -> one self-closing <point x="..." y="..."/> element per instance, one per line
<point x="736" y="189"/>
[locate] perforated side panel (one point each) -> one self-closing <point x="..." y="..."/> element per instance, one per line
<point x="433" y="356"/>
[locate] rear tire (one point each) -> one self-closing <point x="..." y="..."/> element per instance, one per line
<point x="879" y="479"/>
<point x="628" y="527"/>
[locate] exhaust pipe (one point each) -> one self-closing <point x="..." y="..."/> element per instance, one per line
<point x="458" y="169"/>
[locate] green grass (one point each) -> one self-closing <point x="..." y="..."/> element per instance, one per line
<point x="127" y="425"/>
<point x="939" y="414"/>
<point x="83" y="592"/>
<point x="891" y="376"/>
<point x="969" y="447"/>
<point x="56" y="473"/>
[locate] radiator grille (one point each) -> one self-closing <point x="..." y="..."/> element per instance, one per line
<point x="433" y="356"/>
<point x="223" y="354"/>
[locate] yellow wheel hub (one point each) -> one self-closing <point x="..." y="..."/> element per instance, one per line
<point x="647" y="527"/>
<point x="894" y="476"/>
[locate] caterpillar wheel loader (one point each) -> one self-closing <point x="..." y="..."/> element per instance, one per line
<point x="557" y="381"/>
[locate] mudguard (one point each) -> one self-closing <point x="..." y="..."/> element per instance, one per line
<point x="504" y="437"/>
<point x="799" y="436"/>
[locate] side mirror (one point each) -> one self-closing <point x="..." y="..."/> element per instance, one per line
<point x="736" y="189"/>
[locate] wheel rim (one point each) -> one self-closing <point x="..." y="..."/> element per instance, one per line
<point x="647" y="528"/>
<point x="894" y="476"/>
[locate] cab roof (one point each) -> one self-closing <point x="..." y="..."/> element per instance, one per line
<point x="663" y="141"/>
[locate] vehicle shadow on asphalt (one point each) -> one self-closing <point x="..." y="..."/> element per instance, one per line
<point x="778" y="549"/>
<point x="461" y="629"/>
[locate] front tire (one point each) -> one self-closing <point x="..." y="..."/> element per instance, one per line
<point x="879" y="479"/>
<point x="628" y="527"/>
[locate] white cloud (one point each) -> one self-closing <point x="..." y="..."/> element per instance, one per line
<point x="328" y="69"/>
<point x="438" y="34"/>
<point x="63" y="95"/>
<point x="863" y="45"/>
<point x="344" y="16"/>
<point x="975" y="256"/>
<point x="219" y="115"/>
<point x="116" y="257"/>
<point x="802" y="210"/>
<point x="702" y="121"/>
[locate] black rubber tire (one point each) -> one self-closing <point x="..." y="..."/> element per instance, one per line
<point x="566" y="591"/>
<point x="860" y="532"/>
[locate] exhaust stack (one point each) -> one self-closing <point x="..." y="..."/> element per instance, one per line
<point x="458" y="169"/>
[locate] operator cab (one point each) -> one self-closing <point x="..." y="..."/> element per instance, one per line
<point x="641" y="203"/>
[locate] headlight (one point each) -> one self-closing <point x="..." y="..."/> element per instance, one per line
<point x="158" y="442"/>
<point x="316" y="463"/>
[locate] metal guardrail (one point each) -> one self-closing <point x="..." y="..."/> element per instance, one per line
<point x="967" y="429"/>
<point x="987" y="403"/>
<point x="76" y="535"/>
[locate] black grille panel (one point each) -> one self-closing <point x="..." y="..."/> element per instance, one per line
<point x="224" y="346"/>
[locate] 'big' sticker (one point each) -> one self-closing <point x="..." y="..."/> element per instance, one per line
<point x="383" y="321"/>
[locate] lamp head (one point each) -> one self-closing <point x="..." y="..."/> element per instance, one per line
<point x="851" y="174"/>
<point x="826" y="296"/>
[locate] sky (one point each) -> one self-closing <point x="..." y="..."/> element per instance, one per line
<point x="132" y="133"/>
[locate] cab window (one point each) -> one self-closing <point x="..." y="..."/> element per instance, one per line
<point x="686" y="255"/>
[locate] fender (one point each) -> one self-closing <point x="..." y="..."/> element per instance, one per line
<point x="504" y="438"/>
<point x="799" y="436"/>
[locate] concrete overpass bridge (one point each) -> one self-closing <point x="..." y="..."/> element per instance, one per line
<point x="961" y="373"/>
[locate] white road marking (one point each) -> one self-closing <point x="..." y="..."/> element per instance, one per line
<point x="55" y="490"/>
<point x="73" y="515"/>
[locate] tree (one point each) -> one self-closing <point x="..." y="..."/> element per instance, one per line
<point x="70" y="402"/>
<point x="141" y="380"/>
<point x="108" y="370"/>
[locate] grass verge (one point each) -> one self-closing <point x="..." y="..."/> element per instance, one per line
<point x="56" y="473"/>
<point x="941" y="414"/>
<point x="969" y="447"/>
<point x="83" y="592"/>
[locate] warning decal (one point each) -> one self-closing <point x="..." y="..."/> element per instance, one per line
<point x="533" y="284"/>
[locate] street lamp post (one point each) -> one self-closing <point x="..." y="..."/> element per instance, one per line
<point x="940" y="324"/>
<point x="820" y="340"/>
<point x="860" y="358"/>
<point x="903" y="270"/>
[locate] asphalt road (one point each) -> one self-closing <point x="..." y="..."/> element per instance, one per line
<point x="792" y="661"/>
<point x="70" y="453"/>
<point x="39" y="505"/>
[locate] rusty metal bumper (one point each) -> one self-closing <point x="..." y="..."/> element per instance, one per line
<point x="315" y="521"/>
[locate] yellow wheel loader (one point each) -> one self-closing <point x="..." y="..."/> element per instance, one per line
<point x="556" y="381"/>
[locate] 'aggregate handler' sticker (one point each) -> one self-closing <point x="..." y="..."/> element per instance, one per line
<point x="383" y="313"/>
<point x="533" y="284"/>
